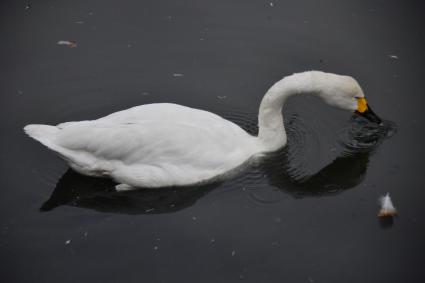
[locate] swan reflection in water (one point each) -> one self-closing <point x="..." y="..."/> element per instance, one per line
<point x="100" y="194"/>
<point x="346" y="171"/>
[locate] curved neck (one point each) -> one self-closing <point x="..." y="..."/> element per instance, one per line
<point x="272" y="133"/>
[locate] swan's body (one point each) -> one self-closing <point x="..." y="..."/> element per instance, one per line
<point x="153" y="145"/>
<point x="164" y="144"/>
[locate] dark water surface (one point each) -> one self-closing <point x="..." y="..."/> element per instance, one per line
<point x="304" y="214"/>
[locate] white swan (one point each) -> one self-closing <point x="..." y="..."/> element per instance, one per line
<point x="158" y="145"/>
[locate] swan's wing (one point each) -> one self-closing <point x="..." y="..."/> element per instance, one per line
<point x="161" y="112"/>
<point x="155" y="143"/>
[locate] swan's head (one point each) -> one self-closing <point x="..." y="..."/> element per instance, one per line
<point x="344" y="92"/>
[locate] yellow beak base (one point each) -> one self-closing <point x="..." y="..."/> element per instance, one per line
<point x="361" y="104"/>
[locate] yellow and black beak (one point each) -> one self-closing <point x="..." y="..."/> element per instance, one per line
<point x="364" y="110"/>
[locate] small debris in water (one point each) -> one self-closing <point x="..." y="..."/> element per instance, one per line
<point x="221" y="97"/>
<point x="145" y="93"/>
<point x="129" y="45"/>
<point x="79" y="22"/>
<point x="20" y="92"/>
<point x="393" y="56"/>
<point x="275" y="243"/>
<point x="310" y="279"/>
<point x="67" y="242"/>
<point x="271" y="4"/>
<point x="156" y="248"/>
<point x="177" y="75"/>
<point x="194" y="218"/>
<point x="387" y="207"/>
<point x="332" y="188"/>
<point x="28" y="6"/>
<point x="85" y="234"/>
<point x="212" y="240"/>
<point x="70" y="43"/>
<point x="149" y="210"/>
<point x="233" y="253"/>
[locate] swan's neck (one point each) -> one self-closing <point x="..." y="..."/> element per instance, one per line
<point x="272" y="133"/>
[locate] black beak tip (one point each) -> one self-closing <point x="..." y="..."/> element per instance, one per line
<point x="370" y="116"/>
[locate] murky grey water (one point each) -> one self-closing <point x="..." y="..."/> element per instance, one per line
<point x="304" y="214"/>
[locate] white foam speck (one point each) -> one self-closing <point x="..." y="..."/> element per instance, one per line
<point x="69" y="43"/>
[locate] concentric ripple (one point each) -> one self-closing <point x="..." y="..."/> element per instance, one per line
<point x="363" y="136"/>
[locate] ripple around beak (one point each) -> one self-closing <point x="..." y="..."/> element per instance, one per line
<point x="370" y="115"/>
<point x="362" y="136"/>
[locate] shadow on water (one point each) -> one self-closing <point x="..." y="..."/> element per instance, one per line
<point x="386" y="222"/>
<point x="99" y="194"/>
<point x="358" y="142"/>
<point x="341" y="174"/>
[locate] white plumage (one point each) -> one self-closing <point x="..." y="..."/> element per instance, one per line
<point x="387" y="207"/>
<point x="158" y="145"/>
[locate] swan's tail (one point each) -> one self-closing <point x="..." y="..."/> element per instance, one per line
<point x="42" y="133"/>
<point x="47" y="135"/>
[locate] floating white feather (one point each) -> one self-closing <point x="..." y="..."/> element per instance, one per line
<point x="387" y="207"/>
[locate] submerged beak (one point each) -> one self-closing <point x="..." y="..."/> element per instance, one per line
<point x="364" y="110"/>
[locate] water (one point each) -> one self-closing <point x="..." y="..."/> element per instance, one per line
<point x="306" y="213"/>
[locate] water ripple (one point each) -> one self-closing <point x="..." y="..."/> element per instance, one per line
<point x="319" y="159"/>
<point x="361" y="136"/>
